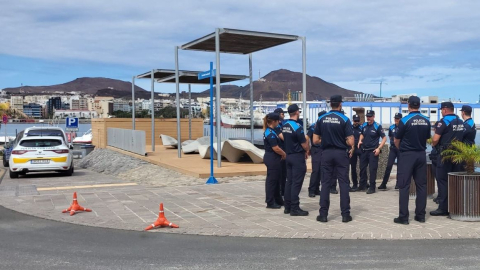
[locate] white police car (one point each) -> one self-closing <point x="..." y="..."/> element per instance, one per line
<point x="39" y="154"/>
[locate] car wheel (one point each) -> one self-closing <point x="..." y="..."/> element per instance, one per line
<point x="13" y="175"/>
<point x="69" y="172"/>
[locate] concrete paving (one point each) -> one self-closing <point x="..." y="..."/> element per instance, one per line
<point x="233" y="209"/>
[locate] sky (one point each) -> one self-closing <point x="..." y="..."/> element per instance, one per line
<point x="424" y="47"/>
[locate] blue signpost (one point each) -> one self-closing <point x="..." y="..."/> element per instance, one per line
<point x="202" y="75"/>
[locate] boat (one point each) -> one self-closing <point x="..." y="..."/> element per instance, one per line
<point x="86" y="138"/>
<point x="240" y="118"/>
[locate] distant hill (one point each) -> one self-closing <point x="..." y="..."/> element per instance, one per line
<point x="275" y="85"/>
<point x="92" y="86"/>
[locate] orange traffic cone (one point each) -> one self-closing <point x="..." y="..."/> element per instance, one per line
<point x="161" y="221"/>
<point x="75" y="207"/>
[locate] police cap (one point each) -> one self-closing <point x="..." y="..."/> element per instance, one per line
<point x="356" y="118"/>
<point x="370" y="113"/>
<point x="336" y="98"/>
<point x="273" y="116"/>
<point x="398" y="115"/>
<point x="414" y="101"/>
<point x="293" y="108"/>
<point x="446" y="104"/>
<point x="278" y="110"/>
<point x="466" y="108"/>
<point x="321" y="113"/>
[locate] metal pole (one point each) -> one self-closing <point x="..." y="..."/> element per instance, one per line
<point x="177" y="85"/>
<point x="133" y="102"/>
<point x="304" y="81"/>
<point x="153" y="111"/>
<point x="219" y="119"/>
<point x="251" y="96"/>
<point x="189" y="111"/>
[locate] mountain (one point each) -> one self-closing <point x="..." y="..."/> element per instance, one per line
<point x="275" y="85"/>
<point x="92" y="86"/>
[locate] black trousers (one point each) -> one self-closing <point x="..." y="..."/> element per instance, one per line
<point x="335" y="160"/>
<point x="394" y="154"/>
<point x="272" y="183"/>
<point x="283" y="176"/>
<point x="316" y="170"/>
<point x="353" y="165"/>
<point x="412" y="163"/>
<point x="442" y="170"/>
<point x="296" y="170"/>
<point x="368" y="159"/>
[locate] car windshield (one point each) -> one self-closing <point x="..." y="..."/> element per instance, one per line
<point x="40" y="143"/>
<point x="45" y="132"/>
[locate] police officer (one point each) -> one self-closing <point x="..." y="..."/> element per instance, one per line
<point x="334" y="131"/>
<point x="394" y="153"/>
<point x="316" y="153"/>
<point x="470" y="131"/>
<point x="297" y="149"/>
<point x="273" y="155"/>
<point x="368" y="143"/>
<point x="283" y="164"/>
<point x="411" y="140"/>
<point x="449" y="128"/>
<point x="356" y="152"/>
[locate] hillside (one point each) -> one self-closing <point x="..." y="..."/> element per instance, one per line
<point x="92" y="86"/>
<point x="276" y="84"/>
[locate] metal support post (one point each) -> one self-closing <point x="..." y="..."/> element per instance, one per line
<point x="219" y="119"/>
<point x="251" y="97"/>
<point x="304" y="81"/>
<point x="189" y="111"/>
<point x="177" y="85"/>
<point x="153" y="111"/>
<point x="133" y="102"/>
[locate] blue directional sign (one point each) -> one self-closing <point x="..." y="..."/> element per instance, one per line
<point x="206" y="74"/>
<point x="71" y="123"/>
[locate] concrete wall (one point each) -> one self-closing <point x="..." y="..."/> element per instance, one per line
<point x="162" y="126"/>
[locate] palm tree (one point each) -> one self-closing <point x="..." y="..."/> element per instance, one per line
<point x="460" y="152"/>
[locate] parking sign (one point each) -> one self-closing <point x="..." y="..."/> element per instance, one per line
<point x="71" y="124"/>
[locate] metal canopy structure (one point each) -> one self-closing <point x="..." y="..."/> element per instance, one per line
<point x="185" y="76"/>
<point x="239" y="41"/>
<point x="234" y="41"/>
<point x="168" y="76"/>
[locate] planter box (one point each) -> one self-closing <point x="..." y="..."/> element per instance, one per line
<point x="464" y="196"/>
<point x="430" y="184"/>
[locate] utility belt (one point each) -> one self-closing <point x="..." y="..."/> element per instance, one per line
<point x="440" y="148"/>
<point x="368" y="149"/>
<point x="337" y="148"/>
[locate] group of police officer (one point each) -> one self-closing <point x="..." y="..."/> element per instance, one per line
<point x="335" y="144"/>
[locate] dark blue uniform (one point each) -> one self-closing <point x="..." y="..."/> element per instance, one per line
<point x="272" y="161"/>
<point x="394" y="154"/>
<point x="470" y="131"/>
<point x="283" y="164"/>
<point x="371" y="135"/>
<point x="296" y="166"/>
<point x="333" y="128"/>
<point x="413" y="131"/>
<point x="357" y="130"/>
<point x="316" y="153"/>
<point x="450" y="128"/>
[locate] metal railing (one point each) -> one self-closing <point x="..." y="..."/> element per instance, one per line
<point x="229" y="133"/>
<point x="126" y="139"/>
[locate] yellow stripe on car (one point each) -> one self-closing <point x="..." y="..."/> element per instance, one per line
<point x="25" y="160"/>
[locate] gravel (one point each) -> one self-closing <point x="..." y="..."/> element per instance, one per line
<point x="136" y="170"/>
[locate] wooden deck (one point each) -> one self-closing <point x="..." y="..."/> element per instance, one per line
<point x="192" y="164"/>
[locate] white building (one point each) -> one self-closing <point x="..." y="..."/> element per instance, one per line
<point x="16" y="103"/>
<point x="75" y="113"/>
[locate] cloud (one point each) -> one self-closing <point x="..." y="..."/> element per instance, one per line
<point x="346" y="40"/>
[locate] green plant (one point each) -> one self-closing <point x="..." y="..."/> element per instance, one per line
<point x="459" y="152"/>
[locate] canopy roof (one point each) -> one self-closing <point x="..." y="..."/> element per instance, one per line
<point x="186" y="76"/>
<point x="239" y="41"/>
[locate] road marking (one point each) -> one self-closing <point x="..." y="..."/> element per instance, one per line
<point x="87" y="186"/>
